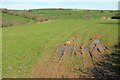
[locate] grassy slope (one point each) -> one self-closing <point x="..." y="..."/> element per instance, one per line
<point x="24" y="46"/>
<point x="72" y="14"/>
<point x="16" y="18"/>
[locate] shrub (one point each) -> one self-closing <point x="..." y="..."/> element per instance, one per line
<point x="101" y="11"/>
<point x="117" y="16"/>
<point x="4" y="11"/>
<point x="26" y="14"/>
<point x="8" y="23"/>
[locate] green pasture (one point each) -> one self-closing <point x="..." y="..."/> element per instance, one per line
<point x="14" y="18"/>
<point x="23" y="47"/>
<point x="74" y="14"/>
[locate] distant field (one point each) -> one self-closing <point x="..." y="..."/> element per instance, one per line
<point x="24" y="47"/>
<point x="74" y="14"/>
<point x="21" y="17"/>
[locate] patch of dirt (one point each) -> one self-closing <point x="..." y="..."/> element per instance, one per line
<point x="71" y="66"/>
<point x="44" y="22"/>
<point x="64" y="67"/>
<point x="54" y="68"/>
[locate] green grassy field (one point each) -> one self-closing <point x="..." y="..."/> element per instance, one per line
<point x="24" y="47"/>
<point x="13" y="17"/>
<point x="74" y="14"/>
<point x="13" y="20"/>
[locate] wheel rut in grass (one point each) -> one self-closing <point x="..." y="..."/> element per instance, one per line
<point x="78" y="64"/>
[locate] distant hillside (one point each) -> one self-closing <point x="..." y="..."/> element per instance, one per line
<point x="12" y="20"/>
<point x="11" y="17"/>
<point x="74" y="13"/>
<point x="20" y="17"/>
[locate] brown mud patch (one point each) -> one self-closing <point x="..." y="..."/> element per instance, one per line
<point x="77" y="66"/>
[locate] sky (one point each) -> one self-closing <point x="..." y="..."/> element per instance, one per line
<point x="79" y="4"/>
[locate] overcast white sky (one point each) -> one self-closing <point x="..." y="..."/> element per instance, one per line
<point x="81" y="4"/>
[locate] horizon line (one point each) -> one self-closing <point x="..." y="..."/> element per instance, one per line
<point x="57" y="8"/>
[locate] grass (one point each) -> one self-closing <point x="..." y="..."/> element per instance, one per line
<point x="73" y="14"/>
<point x="23" y="47"/>
<point x="13" y="17"/>
<point x="0" y="53"/>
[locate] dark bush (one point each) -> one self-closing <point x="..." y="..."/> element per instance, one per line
<point x="101" y="11"/>
<point x="4" y="10"/>
<point x="69" y="13"/>
<point x="117" y="16"/>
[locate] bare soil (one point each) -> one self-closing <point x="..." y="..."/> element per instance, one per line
<point x="64" y="68"/>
